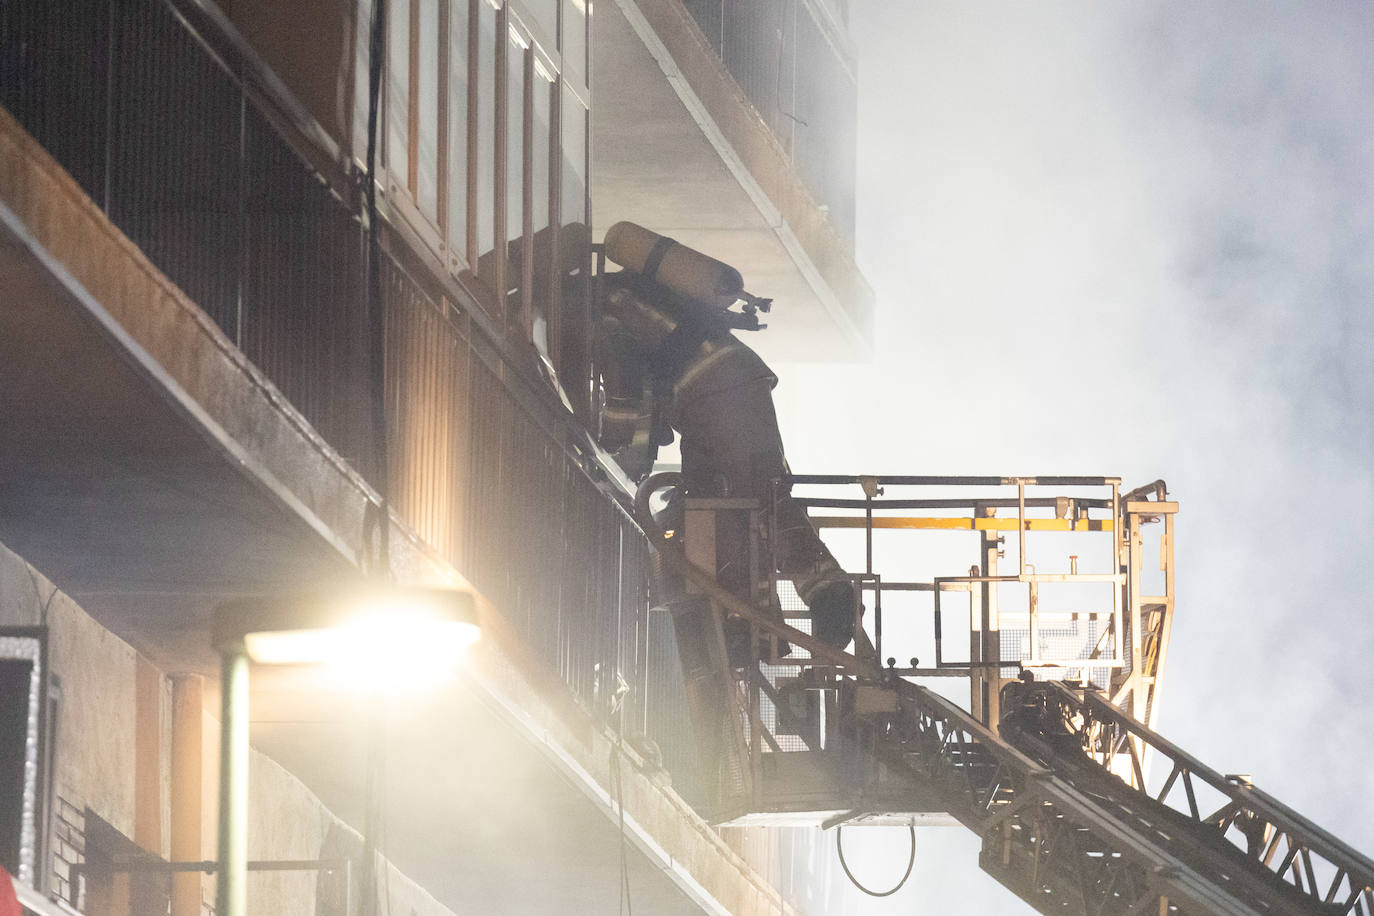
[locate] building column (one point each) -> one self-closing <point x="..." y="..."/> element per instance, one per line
<point x="187" y="821"/>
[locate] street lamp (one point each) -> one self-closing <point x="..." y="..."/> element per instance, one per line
<point x="382" y="638"/>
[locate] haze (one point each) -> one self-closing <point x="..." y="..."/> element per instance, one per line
<point x="1135" y="239"/>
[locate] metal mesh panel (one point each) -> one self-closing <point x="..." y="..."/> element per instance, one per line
<point x="427" y="387"/>
<point x="580" y="587"/>
<point x="175" y="179"/>
<point x="604" y="647"/>
<point x="54" y="78"/>
<point x="1075" y="638"/>
<point x="795" y="611"/>
<point x="732" y="774"/>
<point x="590" y="630"/>
<point x="667" y="717"/>
<point x="157" y="131"/>
<point x="779" y="675"/>
<point x="793" y="608"/>
<point x="633" y="624"/>
<point x="487" y="564"/>
<point x="536" y="510"/>
<point x="303" y="318"/>
<point x="1071" y="639"/>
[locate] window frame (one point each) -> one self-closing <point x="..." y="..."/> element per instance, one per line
<point x="484" y="274"/>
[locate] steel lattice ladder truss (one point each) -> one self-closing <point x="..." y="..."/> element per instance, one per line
<point x="1052" y="773"/>
<point x="1067" y="834"/>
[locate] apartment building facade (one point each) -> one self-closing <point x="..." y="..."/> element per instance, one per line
<point x="189" y="417"/>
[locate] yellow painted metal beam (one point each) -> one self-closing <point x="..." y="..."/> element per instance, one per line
<point x="964" y="524"/>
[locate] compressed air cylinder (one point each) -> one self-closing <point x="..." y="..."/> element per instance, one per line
<point x="683" y="270"/>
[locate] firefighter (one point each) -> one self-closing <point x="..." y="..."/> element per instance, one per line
<point x="675" y="365"/>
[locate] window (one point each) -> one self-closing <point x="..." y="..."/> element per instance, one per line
<point x="424" y="126"/>
<point x="574" y="197"/>
<point x="361" y="34"/>
<point x="541" y="280"/>
<point x="574" y="45"/>
<point x="574" y="253"/>
<point x="484" y="132"/>
<point x="484" y="145"/>
<point x="397" y="92"/>
<point x="517" y="62"/>
<point x="456" y="173"/>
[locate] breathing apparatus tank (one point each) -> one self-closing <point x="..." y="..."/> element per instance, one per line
<point x="683" y="270"/>
<point x="665" y="323"/>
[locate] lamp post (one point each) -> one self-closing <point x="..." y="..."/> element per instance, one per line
<point x="382" y="637"/>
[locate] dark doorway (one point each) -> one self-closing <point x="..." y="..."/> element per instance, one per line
<point x="16" y="697"/>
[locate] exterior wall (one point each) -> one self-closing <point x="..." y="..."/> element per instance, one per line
<point x="98" y="771"/>
<point x="476" y="303"/>
<point x="97" y="732"/>
<point x="807" y="176"/>
<point x="800" y="862"/>
<point x="794" y="64"/>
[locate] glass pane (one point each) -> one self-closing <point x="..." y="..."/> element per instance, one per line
<point x="426" y="192"/>
<point x="458" y="127"/>
<point x="540" y="205"/>
<point x="539" y="150"/>
<point x="515" y="137"/>
<point x="360" y="79"/>
<point x="486" y="131"/>
<point x="398" y="91"/>
<point x="515" y="165"/>
<point x="574" y="159"/>
<point x="574" y="45"/>
<point x="427" y="157"/>
<point x="574" y="257"/>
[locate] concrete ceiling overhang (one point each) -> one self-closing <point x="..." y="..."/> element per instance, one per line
<point x="661" y="158"/>
<point x="482" y="819"/>
<point x="110" y="484"/>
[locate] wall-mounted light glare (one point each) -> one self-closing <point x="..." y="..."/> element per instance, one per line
<point x="378" y="638"/>
<point x="390" y="640"/>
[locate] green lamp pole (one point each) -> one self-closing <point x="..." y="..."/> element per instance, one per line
<point x="231" y="885"/>
<point x="397" y="634"/>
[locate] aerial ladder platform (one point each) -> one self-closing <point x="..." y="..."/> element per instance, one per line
<point x="1030" y="720"/>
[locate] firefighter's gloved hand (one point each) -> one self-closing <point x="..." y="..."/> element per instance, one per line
<point x="832" y="613"/>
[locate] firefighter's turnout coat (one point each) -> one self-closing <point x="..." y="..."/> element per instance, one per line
<point x="672" y="363"/>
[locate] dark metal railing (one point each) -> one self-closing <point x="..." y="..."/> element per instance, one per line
<point x="163" y="137"/>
